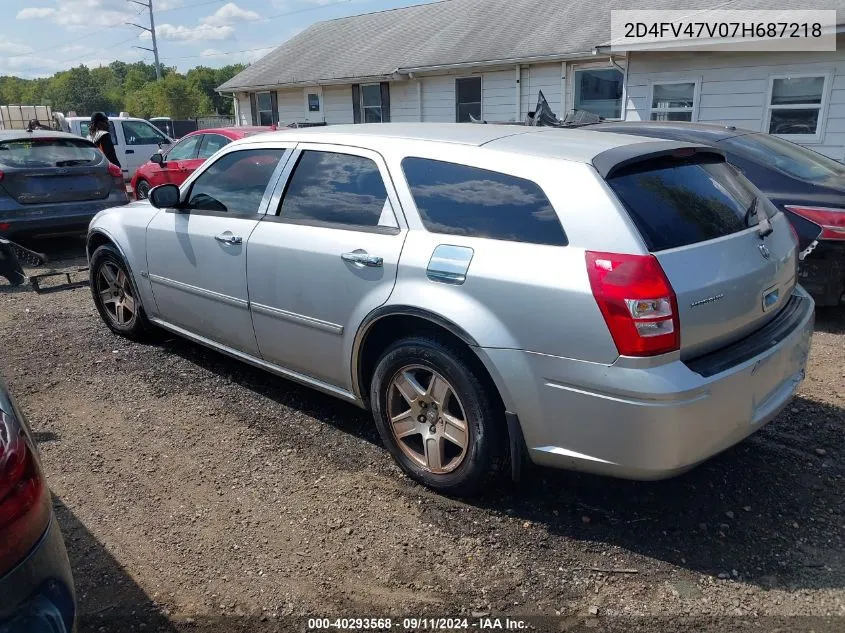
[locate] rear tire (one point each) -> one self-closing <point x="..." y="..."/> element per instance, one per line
<point x="437" y="417"/>
<point x="115" y="294"/>
<point x="142" y="190"/>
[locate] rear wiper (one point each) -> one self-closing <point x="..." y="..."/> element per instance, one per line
<point x="751" y="212"/>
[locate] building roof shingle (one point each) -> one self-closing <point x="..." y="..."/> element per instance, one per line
<point x="456" y="31"/>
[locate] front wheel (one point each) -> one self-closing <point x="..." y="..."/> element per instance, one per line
<point x="114" y="294"/>
<point x="142" y="190"/>
<point x="439" y="420"/>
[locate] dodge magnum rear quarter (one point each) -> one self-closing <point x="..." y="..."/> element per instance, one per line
<point x="594" y="301"/>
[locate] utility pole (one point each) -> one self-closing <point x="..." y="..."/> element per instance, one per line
<point x="152" y="31"/>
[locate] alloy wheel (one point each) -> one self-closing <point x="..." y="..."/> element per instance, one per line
<point x="427" y="419"/>
<point x="142" y="191"/>
<point x="115" y="292"/>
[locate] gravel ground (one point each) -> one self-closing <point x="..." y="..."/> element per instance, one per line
<point x="199" y="494"/>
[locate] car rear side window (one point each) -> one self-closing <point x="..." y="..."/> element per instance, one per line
<point x="211" y="143"/>
<point x="676" y="203"/>
<point x="235" y="183"/>
<point x="329" y="188"/>
<point x="460" y="200"/>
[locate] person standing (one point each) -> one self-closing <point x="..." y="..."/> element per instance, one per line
<point x="98" y="133"/>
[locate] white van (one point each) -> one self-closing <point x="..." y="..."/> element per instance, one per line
<point x="135" y="140"/>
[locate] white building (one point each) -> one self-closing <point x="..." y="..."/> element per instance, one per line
<point x="490" y="58"/>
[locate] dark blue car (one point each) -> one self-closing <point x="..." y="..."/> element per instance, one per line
<point x="52" y="182"/>
<point x="36" y="587"/>
<point x="808" y="187"/>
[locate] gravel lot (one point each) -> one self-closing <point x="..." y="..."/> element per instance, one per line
<point x="199" y="494"/>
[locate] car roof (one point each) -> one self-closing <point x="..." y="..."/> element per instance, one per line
<point x="700" y="132"/>
<point x="14" y="135"/>
<point x="570" y="144"/>
<point x="232" y="132"/>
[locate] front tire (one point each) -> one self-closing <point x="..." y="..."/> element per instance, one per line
<point x="115" y="295"/>
<point x="142" y="190"/>
<point x="437" y="417"/>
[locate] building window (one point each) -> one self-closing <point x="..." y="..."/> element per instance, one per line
<point x="371" y="104"/>
<point x="264" y="101"/>
<point x="467" y="99"/>
<point x="599" y="90"/>
<point x="796" y="105"/>
<point x="674" y="101"/>
<point x="313" y="102"/>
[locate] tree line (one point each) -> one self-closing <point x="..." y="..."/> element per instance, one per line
<point x="121" y="87"/>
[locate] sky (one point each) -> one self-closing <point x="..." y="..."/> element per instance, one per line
<point x="41" y="37"/>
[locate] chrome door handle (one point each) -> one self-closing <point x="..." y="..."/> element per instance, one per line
<point x="228" y="238"/>
<point x="360" y="257"/>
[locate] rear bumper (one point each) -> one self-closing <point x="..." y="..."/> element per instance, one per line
<point x="38" y="594"/>
<point x="641" y="422"/>
<point x="56" y="218"/>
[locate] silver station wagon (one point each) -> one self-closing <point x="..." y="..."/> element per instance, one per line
<point x="600" y="302"/>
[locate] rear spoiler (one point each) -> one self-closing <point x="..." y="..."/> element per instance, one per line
<point x="611" y="161"/>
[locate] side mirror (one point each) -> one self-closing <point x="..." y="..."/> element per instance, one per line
<point x="165" y="196"/>
<point x="157" y="159"/>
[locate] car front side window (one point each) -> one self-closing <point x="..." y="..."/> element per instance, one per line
<point x="235" y="183"/>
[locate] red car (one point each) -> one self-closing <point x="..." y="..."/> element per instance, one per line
<point x="184" y="157"/>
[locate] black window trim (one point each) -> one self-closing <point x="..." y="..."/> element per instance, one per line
<point x="266" y="199"/>
<point x="290" y="167"/>
<point x="480" y="79"/>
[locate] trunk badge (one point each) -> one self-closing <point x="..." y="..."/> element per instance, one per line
<point x="764" y="251"/>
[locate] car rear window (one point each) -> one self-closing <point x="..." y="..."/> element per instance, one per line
<point x="460" y="200"/>
<point x="44" y="152"/>
<point x="677" y="203"/>
<point x="790" y="158"/>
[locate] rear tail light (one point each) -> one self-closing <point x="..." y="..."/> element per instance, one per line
<point x="637" y="301"/>
<point x="117" y="175"/>
<point x="1" y="174"/>
<point x="832" y="221"/>
<point x="24" y="497"/>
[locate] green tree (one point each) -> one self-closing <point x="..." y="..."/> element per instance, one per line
<point x="77" y="90"/>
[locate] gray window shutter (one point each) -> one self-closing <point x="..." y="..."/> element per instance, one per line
<point x="274" y="104"/>
<point x="253" y="106"/>
<point x="356" y="103"/>
<point x="385" y="102"/>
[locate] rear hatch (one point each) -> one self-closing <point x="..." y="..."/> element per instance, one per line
<point x="727" y="252"/>
<point x="43" y="170"/>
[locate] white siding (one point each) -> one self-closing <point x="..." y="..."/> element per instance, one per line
<point x="244" y="109"/>
<point x="438" y="99"/>
<point x="734" y="87"/>
<point x="291" y="106"/>
<point x="498" y="95"/>
<point x="337" y="104"/>
<point x="403" y="101"/>
<point x="545" y="77"/>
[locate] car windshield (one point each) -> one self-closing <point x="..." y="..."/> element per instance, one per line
<point x="47" y="152"/>
<point x="792" y="159"/>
